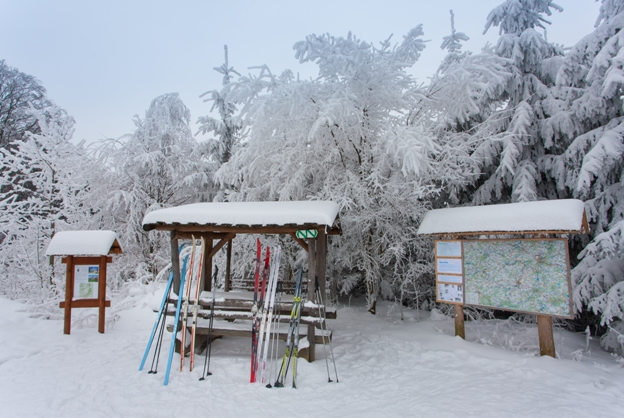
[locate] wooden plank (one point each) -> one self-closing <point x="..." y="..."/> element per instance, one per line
<point x="85" y="303"/>
<point x="102" y="295"/>
<point x="83" y="261"/>
<point x="458" y="311"/>
<point x="69" y="293"/>
<point x="224" y="331"/>
<point x="546" y="338"/>
<point x="312" y="343"/>
<point x="458" y="235"/>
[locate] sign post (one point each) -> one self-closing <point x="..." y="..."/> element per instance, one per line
<point x="86" y="256"/>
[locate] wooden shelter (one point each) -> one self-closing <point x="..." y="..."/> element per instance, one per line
<point x="220" y="222"/>
<point x="535" y="220"/>
<point x="88" y="252"/>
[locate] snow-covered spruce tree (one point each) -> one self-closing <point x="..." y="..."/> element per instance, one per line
<point x="226" y="129"/>
<point x="590" y="87"/>
<point x="353" y="136"/>
<point x="157" y="166"/>
<point x="465" y="91"/>
<point x="46" y="186"/>
<point x="513" y="137"/>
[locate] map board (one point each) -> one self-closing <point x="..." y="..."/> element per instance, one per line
<point x="525" y="275"/>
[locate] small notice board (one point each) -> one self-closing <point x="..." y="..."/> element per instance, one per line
<point x="449" y="272"/>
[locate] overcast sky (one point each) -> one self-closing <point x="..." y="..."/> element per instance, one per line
<point x="104" y="61"/>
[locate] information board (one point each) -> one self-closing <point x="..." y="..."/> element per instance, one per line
<point x="449" y="272"/>
<point x="523" y="275"/>
<point x="86" y="280"/>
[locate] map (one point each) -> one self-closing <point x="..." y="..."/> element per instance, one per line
<point x="518" y="275"/>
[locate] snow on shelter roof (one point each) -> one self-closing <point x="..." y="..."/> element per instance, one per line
<point x="84" y="243"/>
<point x="543" y="216"/>
<point x="253" y="214"/>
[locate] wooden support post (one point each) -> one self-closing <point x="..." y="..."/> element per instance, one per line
<point x="459" y="321"/>
<point x="175" y="263"/>
<point x="207" y="263"/>
<point x="102" y="295"/>
<point x="312" y="342"/>
<point x="228" y="265"/>
<point x="311" y="267"/>
<point x="69" y="294"/>
<point x="546" y="338"/>
<point x="321" y="262"/>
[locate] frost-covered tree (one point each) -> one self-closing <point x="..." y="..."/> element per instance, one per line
<point x="19" y="93"/>
<point x="590" y="89"/>
<point x="354" y="136"/>
<point x="46" y="186"/>
<point x="157" y="166"/>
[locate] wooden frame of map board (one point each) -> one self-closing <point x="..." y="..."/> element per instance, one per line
<point x="555" y="278"/>
<point x="449" y="272"/>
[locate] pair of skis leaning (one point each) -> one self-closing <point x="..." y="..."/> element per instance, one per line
<point x="182" y="314"/>
<point x="292" y="337"/>
<point x="262" y="310"/>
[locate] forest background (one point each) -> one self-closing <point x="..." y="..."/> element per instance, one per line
<point x="522" y="120"/>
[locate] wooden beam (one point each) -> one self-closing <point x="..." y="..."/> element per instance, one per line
<point x="207" y="264"/>
<point x="237" y="229"/>
<point x="189" y="235"/>
<point x="456" y="235"/>
<point x="175" y="263"/>
<point x="458" y="311"/>
<point x="102" y="295"/>
<point x="228" y="265"/>
<point x="546" y="338"/>
<point x="311" y="265"/>
<point x="300" y="241"/>
<point x="321" y="262"/>
<point x="227" y="238"/>
<point x="85" y="303"/>
<point x="69" y="293"/>
<point x="83" y="261"/>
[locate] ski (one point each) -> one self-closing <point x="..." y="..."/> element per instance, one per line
<point x="175" y="322"/>
<point x="254" y="312"/>
<point x="262" y="303"/>
<point x="269" y="316"/>
<point x="277" y="307"/>
<point x="195" y="308"/>
<point x="210" y="324"/>
<point x="162" y="313"/>
<point x="294" y="313"/>
<point x="322" y="313"/>
<point x="185" y="305"/>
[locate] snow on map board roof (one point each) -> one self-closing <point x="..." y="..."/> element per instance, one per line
<point x="566" y="215"/>
<point x="246" y="214"/>
<point x="84" y="243"/>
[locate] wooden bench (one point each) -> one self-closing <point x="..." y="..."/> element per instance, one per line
<point x="232" y="317"/>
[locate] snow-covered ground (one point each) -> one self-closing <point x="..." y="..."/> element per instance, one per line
<point x="387" y="368"/>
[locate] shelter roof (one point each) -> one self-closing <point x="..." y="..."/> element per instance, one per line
<point x="84" y="243"/>
<point x="245" y="216"/>
<point x="546" y="216"/>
